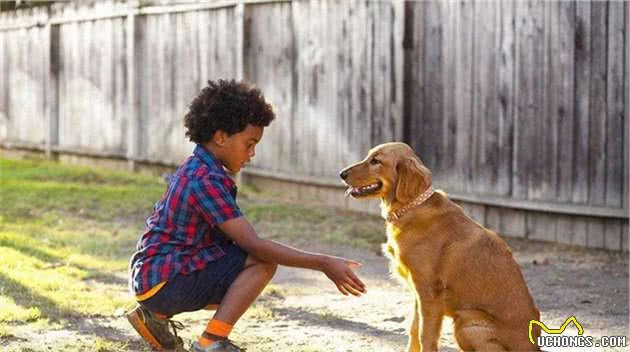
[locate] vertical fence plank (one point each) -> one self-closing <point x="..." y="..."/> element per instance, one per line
<point x="464" y="94"/>
<point x="564" y="106"/>
<point x="615" y="105"/>
<point x="414" y="35"/>
<point x="529" y="113"/>
<point x="580" y="232"/>
<point x="626" y="124"/>
<point x="474" y="211"/>
<point x="432" y="112"/>
<point x="387" y="64"/>
<point x="409" y="68"/>
<point x="538" y="144"/>
<point x="507" y="222"/>
<point x="580" y="194"/>
<point x="595" y="233"/>
<point x="612" y="238"/>
<point x="294" y="126"/>
<point x="239" y="34"/>
<point x="505" y="91"/>
<point x="133" y="108"/>
<point x="327" y="91"/>
<point x="546" y="155"/>
<point x="528" y="76"/>
<point x="46" y="61"/>
<point x="396" y="75"/>
<point x="449" y="119"/>
<point x="299" y="21"/>
<point x="541" y="226"/>
<point x="25" y="77"/>
<point x="565" y="229"/>
<point x="51" y="64"/>
<point x="625" y="235"/>
<point x="367" y="60"/>
<point x="273" y="73"/>
<point x="4" y="75"/>
<point x="597" y="115"/>
<point x="121" y="90"/>
<point x="484" y="114"/>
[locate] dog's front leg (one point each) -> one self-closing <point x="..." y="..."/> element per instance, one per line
<point x="414" y="338"/>
<point x="432" y="314"/>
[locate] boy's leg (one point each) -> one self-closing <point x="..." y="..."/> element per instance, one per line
<point x="245" y="289"/>
<point x="211" y="307"/>
<point x="239" y="296"/>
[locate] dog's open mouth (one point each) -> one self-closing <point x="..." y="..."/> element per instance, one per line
<point x="364" y="190"/>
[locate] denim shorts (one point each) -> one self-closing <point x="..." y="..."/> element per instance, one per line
<point x="196" y="290"/>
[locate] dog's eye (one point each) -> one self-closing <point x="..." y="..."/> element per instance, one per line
<point x="374" y="161"/>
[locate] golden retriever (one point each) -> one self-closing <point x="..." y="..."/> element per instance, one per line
<point x="454" y="266"/>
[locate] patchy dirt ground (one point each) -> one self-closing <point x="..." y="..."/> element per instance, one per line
<point x="302" y="311"/>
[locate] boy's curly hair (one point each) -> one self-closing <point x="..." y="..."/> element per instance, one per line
<point x="229" y="106"/>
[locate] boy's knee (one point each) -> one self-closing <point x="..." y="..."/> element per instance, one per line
<point x="269" y="268"/>
<point x="264" y="267"/>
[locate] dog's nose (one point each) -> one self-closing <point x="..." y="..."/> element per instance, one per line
<point x="343" y="174"/>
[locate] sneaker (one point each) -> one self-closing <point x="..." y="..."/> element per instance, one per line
<point x="156" y="331"/>
<point x="218" y="346"/>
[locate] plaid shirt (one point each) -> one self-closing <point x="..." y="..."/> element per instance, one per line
<point x="181" y="235"/>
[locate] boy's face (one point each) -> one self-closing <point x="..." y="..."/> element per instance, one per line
<point x="238" y="149"/>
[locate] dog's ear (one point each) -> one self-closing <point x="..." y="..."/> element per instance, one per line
<point x="413" y="178"/>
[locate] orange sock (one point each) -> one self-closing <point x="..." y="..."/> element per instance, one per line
<point x="216" y="330"/>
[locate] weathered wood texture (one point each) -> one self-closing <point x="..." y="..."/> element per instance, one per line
<point x="516" y="106"/>
<point x="522" y="99"/>
<point x="525" y="100"/>
<point x="171" y="72"/>
<point x="334" y="70"/>
<point x="22" y="73"/>
<point x="90" y="64"/>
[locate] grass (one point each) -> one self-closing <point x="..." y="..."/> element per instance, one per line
<point x="259" y="312"/>
<point x="328" y="315"/>
<point x="295" y="223"/>
<point x="67" y="232"/>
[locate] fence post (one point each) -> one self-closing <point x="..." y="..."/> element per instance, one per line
<point x="51" y="101"/>
<point x="239" y="22"/>
<point x="408" y="78"/>
<point x="133" y="116"/>
<point x="627" y="112"/>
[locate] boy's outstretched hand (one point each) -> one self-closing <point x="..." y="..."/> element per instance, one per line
<point x="339" y="270"/>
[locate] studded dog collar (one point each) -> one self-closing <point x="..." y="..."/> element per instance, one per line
<point x="395" y="215"/>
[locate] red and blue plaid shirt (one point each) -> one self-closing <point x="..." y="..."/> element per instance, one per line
<point x="181" y="235"/>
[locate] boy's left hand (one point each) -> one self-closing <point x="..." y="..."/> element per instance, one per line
<point x="339" y="271"/>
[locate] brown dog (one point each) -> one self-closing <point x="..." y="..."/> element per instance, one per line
<point x="455" y="266"/>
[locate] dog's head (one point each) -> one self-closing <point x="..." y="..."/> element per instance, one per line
<point x="391" y="171"/>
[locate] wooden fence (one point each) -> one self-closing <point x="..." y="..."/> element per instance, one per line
<point x="519" y="108"/>
<point x="525" y="104"/>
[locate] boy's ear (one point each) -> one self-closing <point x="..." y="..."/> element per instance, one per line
<point x="219" y="138"/>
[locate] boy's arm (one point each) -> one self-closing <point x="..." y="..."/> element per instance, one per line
<point x="339" y="270"/>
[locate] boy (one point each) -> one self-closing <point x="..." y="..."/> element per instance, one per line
<point x="198" y="250"/>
